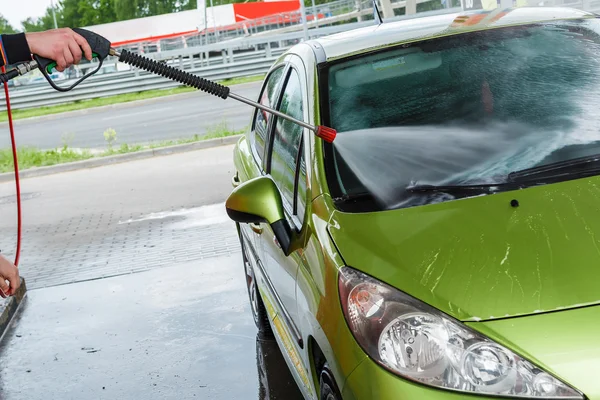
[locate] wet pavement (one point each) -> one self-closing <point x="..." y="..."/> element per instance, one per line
<point x="137" y="289"/>
<point x="180" y="332"/>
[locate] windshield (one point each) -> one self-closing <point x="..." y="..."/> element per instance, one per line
<point x="468" y="109"/>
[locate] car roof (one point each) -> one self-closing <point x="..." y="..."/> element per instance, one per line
<point x="374" y="37"/>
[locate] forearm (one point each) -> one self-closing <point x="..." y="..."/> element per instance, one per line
<point x="14" y="49"/>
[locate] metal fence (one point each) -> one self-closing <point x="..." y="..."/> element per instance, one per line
<point x="321" y="13"/>
<point x="130" y="83"/>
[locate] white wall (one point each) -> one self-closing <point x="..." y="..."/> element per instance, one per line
<point x="159" y="25"/>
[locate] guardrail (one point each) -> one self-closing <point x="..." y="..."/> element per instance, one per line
<point x="183" y="63"/>
<point x="37" y="97"/>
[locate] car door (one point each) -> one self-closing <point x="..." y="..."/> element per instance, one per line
<point x="258" y="140"/>
<point x="287" y="150"/>
<point x="287" y="168"/>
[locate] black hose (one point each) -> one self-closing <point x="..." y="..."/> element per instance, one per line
<point x="13" y="73"/>
<point x="173" y="73"/>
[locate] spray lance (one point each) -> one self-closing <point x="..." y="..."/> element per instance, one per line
<point x="101" y="49"/>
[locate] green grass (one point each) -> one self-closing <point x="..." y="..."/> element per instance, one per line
<point x="32" y="157"/>
<point x="121" y="98"/>
<point x="219" y="131"/>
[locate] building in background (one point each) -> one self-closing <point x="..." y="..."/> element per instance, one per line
<point x="156" y="30"/>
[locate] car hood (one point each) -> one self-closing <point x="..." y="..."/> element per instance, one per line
<point x="481" y="258"/>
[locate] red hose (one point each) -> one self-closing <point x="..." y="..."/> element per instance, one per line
<point x="16" y="163"/>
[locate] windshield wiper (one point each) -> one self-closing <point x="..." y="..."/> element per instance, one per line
<point x="479" y="188"/>
<point x="353" y="197"/>
<point x="544" y="174"/>
<point x="575" y="167"/>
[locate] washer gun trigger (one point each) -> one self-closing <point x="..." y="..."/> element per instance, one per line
<point x="100" y="50"/>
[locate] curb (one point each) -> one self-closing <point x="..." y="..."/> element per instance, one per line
<point x="108" y="160"/>
<point x="9" y="307"/>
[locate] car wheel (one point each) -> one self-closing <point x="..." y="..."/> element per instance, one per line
<point x="329" y="390"/>
<point x="259" y="313"/>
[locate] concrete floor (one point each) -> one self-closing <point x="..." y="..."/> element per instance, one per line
<point x="173" y="333"/>
<point x="137" y="289"/>
<point x="121" y="218"/>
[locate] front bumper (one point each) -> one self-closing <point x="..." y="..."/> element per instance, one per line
<point x="369" y="381"/>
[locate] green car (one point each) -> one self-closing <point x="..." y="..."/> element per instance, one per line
<point x="446" y="245"/>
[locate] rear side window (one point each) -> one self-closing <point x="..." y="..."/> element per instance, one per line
<point x="261" y="118"/>
<point x="287" y="141"/>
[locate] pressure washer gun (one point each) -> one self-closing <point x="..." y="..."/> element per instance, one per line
<point x="101" y="49"/>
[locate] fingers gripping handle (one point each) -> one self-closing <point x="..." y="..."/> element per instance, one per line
<point x="100" y="49"/>
<point x="100" y="45"/>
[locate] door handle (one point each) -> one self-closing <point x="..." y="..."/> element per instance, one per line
<point x="256" y="228"/>
<point x="235" y="181"/>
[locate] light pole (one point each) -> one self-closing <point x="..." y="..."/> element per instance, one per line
<point x="212" y="9"/>
<point x="202" y="8"/>
<point x="303" y="13"/>
<point x="53" y="14"/>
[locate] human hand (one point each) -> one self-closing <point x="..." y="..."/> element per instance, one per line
<point x="61" y="45"/>
<point x="10" y="273"/>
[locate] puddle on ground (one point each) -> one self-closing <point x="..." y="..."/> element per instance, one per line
<point x="188" y="217"/>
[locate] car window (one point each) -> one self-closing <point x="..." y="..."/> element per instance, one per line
<point x="261" y="118"/>
<point x="287" y="139"/>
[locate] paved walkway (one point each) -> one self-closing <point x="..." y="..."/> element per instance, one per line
<point x="122" y="218"/>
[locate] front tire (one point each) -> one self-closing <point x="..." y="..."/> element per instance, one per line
<point x="329" y="390"/>
<point x="259" y="313"/>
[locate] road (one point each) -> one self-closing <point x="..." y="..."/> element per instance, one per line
<point x="136" y="287"/>
<point x="163" y="118"/>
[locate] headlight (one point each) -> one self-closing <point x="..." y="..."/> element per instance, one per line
<point x="418" y="342"/>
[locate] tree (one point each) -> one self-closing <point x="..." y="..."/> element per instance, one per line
<point x="79" y="13"/>
<point x="158" y="7"/>
<point x="5" y="27"/>
<point x="94" y="12"/>
<point x="32" y="25"/>
<point x="40" y="24"/>
<point x="188" y="5"/>
<point x="125" y="9"/>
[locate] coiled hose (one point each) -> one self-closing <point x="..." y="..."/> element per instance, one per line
<point x="169" y="72"/>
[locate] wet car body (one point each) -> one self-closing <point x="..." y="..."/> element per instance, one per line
<point x="515" y="268"/>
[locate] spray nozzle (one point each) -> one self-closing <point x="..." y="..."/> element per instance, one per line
<point x="326" y="133"/>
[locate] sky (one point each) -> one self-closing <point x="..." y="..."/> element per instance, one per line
<point x="17" y="11"/>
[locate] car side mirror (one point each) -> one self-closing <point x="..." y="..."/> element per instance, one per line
<point x="258" y="200"/>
